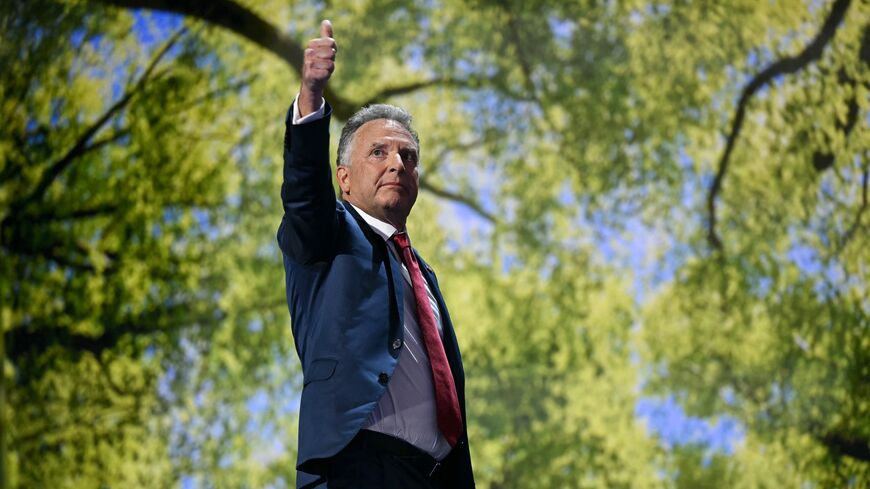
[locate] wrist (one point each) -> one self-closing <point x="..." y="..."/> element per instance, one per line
<point x="309" y="101"/>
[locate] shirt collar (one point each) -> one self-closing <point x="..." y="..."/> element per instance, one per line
<point x="384" y="229"/>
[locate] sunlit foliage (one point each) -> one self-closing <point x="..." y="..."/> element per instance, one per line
<point x="569" y="151"/>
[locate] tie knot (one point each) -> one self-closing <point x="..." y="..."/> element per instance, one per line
<point x="401" y="239"/>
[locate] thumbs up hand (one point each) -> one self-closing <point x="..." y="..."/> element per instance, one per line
<point x="317" y="67"/>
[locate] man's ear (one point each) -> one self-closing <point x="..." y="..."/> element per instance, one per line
<point x="343" y="176"/>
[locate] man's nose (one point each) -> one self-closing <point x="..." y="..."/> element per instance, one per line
<point x="396" y="163"/>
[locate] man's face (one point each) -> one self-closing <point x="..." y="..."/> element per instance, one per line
<point x="382" y="177"/>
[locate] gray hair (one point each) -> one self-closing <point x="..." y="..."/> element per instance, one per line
<point x="367" y="114"/>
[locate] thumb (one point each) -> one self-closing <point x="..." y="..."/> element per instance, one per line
<point x="326" y="29"/>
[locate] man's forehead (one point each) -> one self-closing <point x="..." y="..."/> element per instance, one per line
<point x="383" y="130"/>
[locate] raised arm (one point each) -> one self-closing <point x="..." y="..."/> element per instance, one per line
<point x="308" y="227"/>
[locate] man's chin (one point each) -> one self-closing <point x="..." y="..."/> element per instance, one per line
<point x="396" y="206"/>
<point x="394" y="201"/>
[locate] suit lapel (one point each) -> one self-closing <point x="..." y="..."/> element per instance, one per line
<point x="377" y="242"/>
<point x="394" y="276"/>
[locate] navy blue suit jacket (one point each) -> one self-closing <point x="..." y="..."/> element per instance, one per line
<point x="344" y="292"/>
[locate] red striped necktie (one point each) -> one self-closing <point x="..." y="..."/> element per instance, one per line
<point x="446" y="400"/>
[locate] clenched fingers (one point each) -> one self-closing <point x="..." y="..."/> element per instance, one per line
<point x="321" y="50"/>
<point x="319" y="60"/>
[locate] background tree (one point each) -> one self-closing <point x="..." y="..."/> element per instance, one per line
<point x="633" y="200"/>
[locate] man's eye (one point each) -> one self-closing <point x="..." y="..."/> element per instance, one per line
<point x="378" y="152"/>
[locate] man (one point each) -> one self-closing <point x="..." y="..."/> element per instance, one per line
<point x="383" y="388"/>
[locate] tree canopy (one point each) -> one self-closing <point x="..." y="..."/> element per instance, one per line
<point x="624" y="201"/>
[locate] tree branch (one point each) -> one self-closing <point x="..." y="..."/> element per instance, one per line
<point x="62" y="259"/>
<point x="446" y="194"/>
<point x="246" y="23"/>
<point x="29" y="341"/>
<point x="68" y="215"/>
<point x="852" y="446"/>
<point x="393" y="91"/>
<point x="519" y="44"/>
<point x="792" y="64"/>
<point x="822" y="160"/>
<point x="218" y="92"/>
<point x="81" y="146"/>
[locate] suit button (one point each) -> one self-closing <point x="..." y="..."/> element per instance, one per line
<point x="397" y="343"/>
<point x="383" y="378"/>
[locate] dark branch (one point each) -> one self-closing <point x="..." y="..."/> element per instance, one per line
<point x="517" y="41"/>
<point x="54" y="254"/>
<point x="246" y="23"/>
<point x="792" y="64"/>
<point x="515" y="37"/>
<point x="14" y="167"/>
<point x="822" y="160"/>
<point x="218" y="92"/>
<point x="29" y="341"/>
<point x="394" y="91"/>
<point x="67" y="215"/>
<point x="852" y="446"/>
<point x="99" y="143"/>
<point x="446" y="194"/>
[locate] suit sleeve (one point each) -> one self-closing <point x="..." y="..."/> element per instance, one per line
<point x="307" y="231"/>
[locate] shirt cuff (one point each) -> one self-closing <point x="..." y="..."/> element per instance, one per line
<point x="316" y="115"/>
